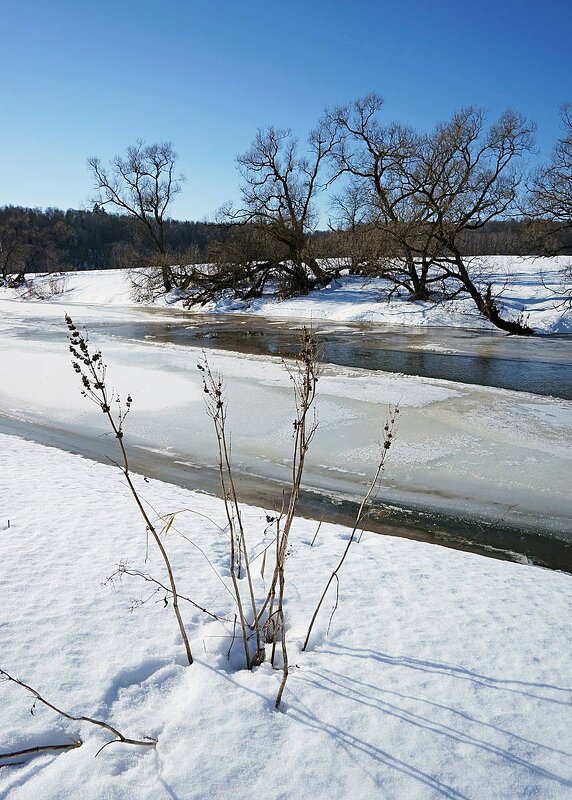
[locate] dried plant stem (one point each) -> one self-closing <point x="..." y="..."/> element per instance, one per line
<point x="389" y="429"/>
<point x="305" y="380"/>
<point x="92" y="371"/>
<point x="213" y="388"/>
<point x="317" y="532"/>
<point x="282" y="624"/>
<point x="146" y="742"/>
<point x="233" y="572"/>
<point x="41" y="748"/>
<point x="122" y="569"/>
<point x="153" y="531"/>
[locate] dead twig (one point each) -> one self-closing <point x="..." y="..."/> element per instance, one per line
<point x="123" y="569"/>
<point x="92" y="371"/>
<point x="41" y="748"/>
<point x="148" y="741"/>
<point x="388" y="435"/>
<point x="317" y="532"/>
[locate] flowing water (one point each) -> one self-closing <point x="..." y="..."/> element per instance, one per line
<point x="541" y="365"/>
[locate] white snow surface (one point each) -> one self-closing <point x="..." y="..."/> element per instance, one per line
<point x="525" y="285"/>
<point x="444" y="674"/>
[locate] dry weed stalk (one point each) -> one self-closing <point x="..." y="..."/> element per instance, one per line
<point x="92" y="371"/>
<point x="268" y="622"/>
<point x="147" y="741"/>
<point x="388" y="436"/>
<point x="216" y="405"/>
<point x="41" y="748"/>
<point x="161" y="589"/>
<point x="269" y="619"/>
<point x="305" y="379"/>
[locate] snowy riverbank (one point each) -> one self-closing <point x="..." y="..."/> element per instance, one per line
<point x="444" y="674"/>
<point x="527" y="285"/>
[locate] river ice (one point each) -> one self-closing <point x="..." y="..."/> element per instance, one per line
<point x="493" y="453"/>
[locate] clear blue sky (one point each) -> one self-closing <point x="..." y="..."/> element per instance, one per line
<point x="89" y="78"/>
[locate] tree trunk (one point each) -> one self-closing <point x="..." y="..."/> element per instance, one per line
<point x="487" y="304"/>
<point x="167" y="277"/>
<point x="322" y="277"/>
<point x="418" y="289"/>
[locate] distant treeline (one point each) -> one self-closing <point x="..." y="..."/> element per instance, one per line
<point x="38" y="240"/>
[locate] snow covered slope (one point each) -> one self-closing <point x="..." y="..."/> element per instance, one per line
<point x="525" y="284"/>
<point x="444" y="674"/>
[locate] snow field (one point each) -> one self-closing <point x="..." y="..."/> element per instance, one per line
<point x="444" y="674"/>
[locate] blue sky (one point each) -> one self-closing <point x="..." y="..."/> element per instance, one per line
<point x="89" y="78"/>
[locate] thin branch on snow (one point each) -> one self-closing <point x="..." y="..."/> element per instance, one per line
<point x="148" y="741"/>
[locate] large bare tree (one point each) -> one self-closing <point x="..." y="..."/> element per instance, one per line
<point x="279" y="191"/>
<point x="239" y="264"/>
<point x="423" y="192"/>
<point x="469" y="176"/>
<point x="142" y="184"/>
<point x="380" y="205"/>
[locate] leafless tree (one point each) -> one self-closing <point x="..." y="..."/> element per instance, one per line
<point x="550" y="190"/>
<point x="469" y="176"/>
<point x="142" y="184"/>
<point x="240" y="265"/>
<point x="426" y="191"/>
<point x="279" y="190"/>
<point x="381" y="196"/>
<point x="358" y="240"/>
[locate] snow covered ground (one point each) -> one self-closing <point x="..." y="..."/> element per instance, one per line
<point x="444" y="674"/>
<point x="525" y="284"/>
<point x="528" y="285"/>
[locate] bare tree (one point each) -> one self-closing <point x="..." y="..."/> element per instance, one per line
<point x="379" y="203"/>
<point x="469" y="176"/>
<point x="424" y="192"/>
<point x="550" y="190"/>
<point x="279" y="190"/>
<point x="142" y="184"/>
<point x="240" y="265"/>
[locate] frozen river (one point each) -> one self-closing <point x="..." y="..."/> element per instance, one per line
<point x="491" y="464"/>
<point x="541" y="365"/>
